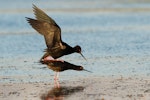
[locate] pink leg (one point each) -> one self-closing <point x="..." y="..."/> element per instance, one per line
<point x="56" y="84"/>
<point x="59" y="60"/>
<point x="56" y="76"/>
<point x="50" y="58"/>
<point x="56" y="80"/>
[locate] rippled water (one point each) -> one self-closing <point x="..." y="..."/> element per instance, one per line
<point x="115" y="42"/>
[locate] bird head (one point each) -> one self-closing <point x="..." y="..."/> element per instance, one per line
<point x="80" y="68"/>
<point x="78" y="50"/>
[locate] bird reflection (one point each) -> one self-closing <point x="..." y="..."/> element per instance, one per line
<point x="61" y="93"/>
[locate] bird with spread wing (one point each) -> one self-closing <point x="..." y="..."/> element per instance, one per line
<point x="47" y="27"/>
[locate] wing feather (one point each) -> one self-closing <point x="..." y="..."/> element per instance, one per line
<point x="41" y="15"/>
<point x="45" y="29"/>
<point x="46" y="26"/>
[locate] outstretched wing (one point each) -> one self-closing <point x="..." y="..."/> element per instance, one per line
<point x="41" y="15"/>
<point x="49" y="31"/>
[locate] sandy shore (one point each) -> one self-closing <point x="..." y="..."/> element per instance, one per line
<point x="98" y="88"/>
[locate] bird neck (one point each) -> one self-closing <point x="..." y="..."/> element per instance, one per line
<point x="69" y="49"/>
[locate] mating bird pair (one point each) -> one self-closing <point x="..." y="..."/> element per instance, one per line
<point x="56" y="48"/>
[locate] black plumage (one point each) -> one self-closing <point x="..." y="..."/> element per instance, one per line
<point x="59" y="66"/>
<point x="47" y="27"/>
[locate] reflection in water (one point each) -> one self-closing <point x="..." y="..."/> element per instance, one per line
<point x="59" y="93"/>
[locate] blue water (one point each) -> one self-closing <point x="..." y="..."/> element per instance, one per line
<point x="114" y="42"/>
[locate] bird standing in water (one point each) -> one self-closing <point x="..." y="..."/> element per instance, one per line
<point x="59" y="66"/>
<point x="47" y="27"/>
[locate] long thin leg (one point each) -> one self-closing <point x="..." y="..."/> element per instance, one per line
<point x="56" y="84"/>
<point x="56" y="80"/>
<point x="56" y="76"/>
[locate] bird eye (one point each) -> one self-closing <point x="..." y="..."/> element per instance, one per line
<point x="79" y="50"/>
<point x="81" y="68"/>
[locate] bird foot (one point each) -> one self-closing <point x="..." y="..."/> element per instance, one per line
<point x="48" y="58"/>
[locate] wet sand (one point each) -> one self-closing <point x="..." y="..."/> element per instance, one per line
<point x="94" y="88"/>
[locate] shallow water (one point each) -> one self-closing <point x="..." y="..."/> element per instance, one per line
<point x="114" y="42"/>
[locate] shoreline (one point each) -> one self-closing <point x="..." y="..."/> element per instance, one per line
<point x="101" y="88"/>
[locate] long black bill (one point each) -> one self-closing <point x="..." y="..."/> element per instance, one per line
<point x="83" y="56"/>
<point x="87" y="70"/>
